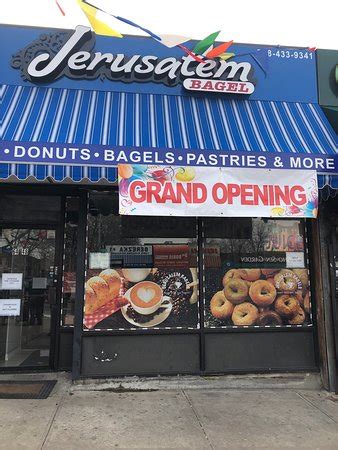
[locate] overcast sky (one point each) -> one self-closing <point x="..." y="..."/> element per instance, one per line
<point x="304" y="23"/>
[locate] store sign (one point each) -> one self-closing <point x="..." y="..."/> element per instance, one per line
<point x="186" y="191"/>
<point x="75" y="59"/>
<point x="105" y="156"/>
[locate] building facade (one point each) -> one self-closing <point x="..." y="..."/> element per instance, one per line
<point x="108" y="272"/>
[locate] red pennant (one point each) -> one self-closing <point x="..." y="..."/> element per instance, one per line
<point x="219" y="50"/>
<point x="196" y="58"/>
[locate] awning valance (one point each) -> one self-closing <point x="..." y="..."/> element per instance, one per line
<point x="39" y="114"/>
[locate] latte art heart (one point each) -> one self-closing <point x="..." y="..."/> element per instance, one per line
<point x="146" y="294"/>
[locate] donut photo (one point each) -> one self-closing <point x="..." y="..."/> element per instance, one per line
<point x="258" y="297"/>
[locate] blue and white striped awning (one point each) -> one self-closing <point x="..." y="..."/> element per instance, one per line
<point x="144" y="120"/>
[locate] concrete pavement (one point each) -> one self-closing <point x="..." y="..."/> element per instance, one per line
<point x="203" y="418"/>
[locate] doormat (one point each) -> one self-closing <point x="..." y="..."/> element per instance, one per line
<point x="26" y="389"/>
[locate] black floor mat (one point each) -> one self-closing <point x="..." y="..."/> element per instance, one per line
<point x="10" y="389"/>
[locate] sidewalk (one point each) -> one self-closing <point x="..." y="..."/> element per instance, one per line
<point x="76" y="417"/>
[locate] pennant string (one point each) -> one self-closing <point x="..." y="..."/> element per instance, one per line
<point x="59" y="6"/>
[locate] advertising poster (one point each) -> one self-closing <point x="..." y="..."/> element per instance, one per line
<point x="132" y="298"/>
<point x="213" y="191"/>
<point x="258" y="297"/>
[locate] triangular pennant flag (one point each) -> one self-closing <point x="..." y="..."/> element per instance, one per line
<point x="226" y="56"/>
<point x="216" y="51"/>
<point x="203" y="45"/>
<point x="99" y="20"/>
<point x="172" y="40"/>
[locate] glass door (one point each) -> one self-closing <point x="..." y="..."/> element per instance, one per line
<point x="28" y="279"/>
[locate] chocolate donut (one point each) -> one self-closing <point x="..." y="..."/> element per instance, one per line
<point x="268" y="318"/>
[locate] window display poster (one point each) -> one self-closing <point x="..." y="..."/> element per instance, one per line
<point x="133" y="298"/>
<point x="257" y="297"/>
<point x="12" y="281"/>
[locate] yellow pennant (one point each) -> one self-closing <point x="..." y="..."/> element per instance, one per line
<point x="98" y="20"/>
<point x="226" y="56"/>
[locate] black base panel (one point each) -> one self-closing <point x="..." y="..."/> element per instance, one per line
<point x="139" y="355"/>
<point x="65" y="351"/>
<point x="249" y="352"/>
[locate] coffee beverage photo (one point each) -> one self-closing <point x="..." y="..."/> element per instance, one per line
<point x="146" y="297"/>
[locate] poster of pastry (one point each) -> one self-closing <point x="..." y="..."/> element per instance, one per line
<point x="257" y="297"/>
<point x="133" y="298"/>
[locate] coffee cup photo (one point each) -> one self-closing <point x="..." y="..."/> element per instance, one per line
<point x="146" y="297"/>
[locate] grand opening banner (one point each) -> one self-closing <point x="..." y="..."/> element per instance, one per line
<point x="196" y="191"/>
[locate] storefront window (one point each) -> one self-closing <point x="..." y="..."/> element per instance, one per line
<point x="141" y="271"/>
<point x="69" y="261"/>
<point x="256" y="273"/>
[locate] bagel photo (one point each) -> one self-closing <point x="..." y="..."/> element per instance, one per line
<point x="260" y="297"/>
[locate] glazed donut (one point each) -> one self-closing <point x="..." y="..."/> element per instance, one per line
<point x="236" y="291"/>
<point x="286" y="305"/>
<point x="251" y="274"/>
<point x="262" y="293"/>
<point x="269" y="273"/>
<point x="244" y="314"/>
<point x="298" y="318"/>
<point x="268" y="318"/>
<point x="231" y="275"/>
<point x="286" y="281"/>
<point x="220" y="307"/>
<point x="306" y="303"/>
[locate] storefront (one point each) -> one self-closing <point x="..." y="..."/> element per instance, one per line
<point x="202" y="257"/>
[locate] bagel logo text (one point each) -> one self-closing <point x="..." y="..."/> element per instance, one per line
<point x="190" y="191"/>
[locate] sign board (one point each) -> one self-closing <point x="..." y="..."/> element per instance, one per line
<point x="10" y="306"/>
<point x="107" y="156"/>
<point x="82" y="60"/>
<point x="188" y="191"/>
<point x="12" y="281"/>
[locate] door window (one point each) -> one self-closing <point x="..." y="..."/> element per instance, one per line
<point x="27" y="296"/>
